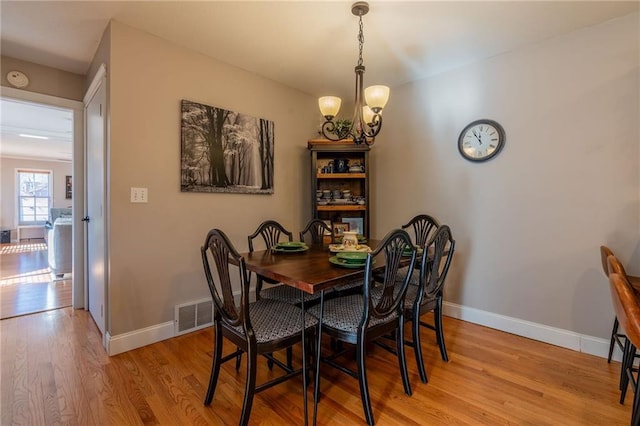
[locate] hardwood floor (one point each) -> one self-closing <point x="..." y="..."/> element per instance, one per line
<point x="54" y="370"/>
<point x="26" y="284"/>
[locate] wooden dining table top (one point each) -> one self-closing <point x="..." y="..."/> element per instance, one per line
<point x="309" y="271"/>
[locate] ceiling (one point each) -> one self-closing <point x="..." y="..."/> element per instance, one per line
<point x="307" y="45"/>
<point x="35" y="132"/>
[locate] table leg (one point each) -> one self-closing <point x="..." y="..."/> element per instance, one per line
<point x="304" y="363"/>
<point x="316" y="386"/>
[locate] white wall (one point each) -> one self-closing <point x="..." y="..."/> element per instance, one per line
<point x="154" y="248"/>
<point x="528" y="223"/>
<point x="8" y="167"/>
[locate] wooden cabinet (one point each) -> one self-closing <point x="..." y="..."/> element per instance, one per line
<point x="325" y="176"/>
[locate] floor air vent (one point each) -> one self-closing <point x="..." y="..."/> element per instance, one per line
<point x="193" y="316"/>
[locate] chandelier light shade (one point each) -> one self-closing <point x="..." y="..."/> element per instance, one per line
<point x="367" y="117"/>
<point x="329" y="106"/>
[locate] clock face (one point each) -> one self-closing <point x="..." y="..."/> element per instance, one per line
<point x="481" y="140"/>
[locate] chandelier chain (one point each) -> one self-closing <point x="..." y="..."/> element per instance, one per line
<point x="360" y="41"/>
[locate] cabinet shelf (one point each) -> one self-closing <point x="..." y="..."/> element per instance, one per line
<point x="342" y="208"/>
<point x="341" y="175"/>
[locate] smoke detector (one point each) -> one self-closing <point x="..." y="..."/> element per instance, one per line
<point x="17" y="79"/>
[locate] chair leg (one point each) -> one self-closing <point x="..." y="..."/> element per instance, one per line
<point x="613" y="339"/>
<point x="627" y="363"/>
<point x="238" y="360"/>
<point x="439" y="332"/>
<point x="250" y="386"/>
<point x="362" y="380"/>
<point x="635" y="415"/>
<point x="290" y="357"/>
<point x="215" y="365"/>
<point x="417" y="347"/>
<point x="258" y="286"/>
<point x="269" y="362"/>
<point x="402" y="358"/>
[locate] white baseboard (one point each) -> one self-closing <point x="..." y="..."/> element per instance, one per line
<point x="543" y="333"/>
<point x="138" y="338"/>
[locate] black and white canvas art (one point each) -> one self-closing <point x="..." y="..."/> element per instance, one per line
<point x="225" y="151"/>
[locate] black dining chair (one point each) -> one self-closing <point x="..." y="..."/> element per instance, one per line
<point x="316" y="229"/>
<point x="425" y="295"/>
<point x="361" y="318"/>
<point x="271" y="232"/>
<point x="258" y="328"/>
<point x="423" y="226"/>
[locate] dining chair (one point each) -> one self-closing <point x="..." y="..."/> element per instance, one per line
<point x="360" y="318"/>
<point x="271" y="232"/>
<point x="423" y="226"/>
<point x="316" y="229"/>
<point x="257" y="328"/>
<point x="627" y="309"/>
<point x="425" y="295"/>
<point x="616" y="337"/>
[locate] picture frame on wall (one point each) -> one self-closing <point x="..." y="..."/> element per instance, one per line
<point x="339" y="228"/>
<point x="225" y="151"/>
<point x="68" y="187"/>
<point x="356" y="224"/>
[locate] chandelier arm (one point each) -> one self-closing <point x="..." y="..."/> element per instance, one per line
<point x="329" y="131"/>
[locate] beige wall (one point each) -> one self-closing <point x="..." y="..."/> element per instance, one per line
<point x="528" y="223"/>
<point x="154" y="248"/>
<point x="43" y="79"/>
<point x="8" y="168"/>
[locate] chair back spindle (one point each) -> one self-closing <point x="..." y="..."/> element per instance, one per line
<point x="270" y="231"/>
<point x="423" y="226"/>
<point x="316" y="229"/>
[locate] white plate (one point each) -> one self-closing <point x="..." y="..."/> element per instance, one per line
<point x="336" y="248"/>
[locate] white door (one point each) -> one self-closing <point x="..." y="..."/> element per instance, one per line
<point x="95" y="196"/>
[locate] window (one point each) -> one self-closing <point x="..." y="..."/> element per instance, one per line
<point x="34" y="196"/>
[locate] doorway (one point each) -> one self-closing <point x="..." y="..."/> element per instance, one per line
<point x="26" y="258"/>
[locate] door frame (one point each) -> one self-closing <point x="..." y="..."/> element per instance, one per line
<point x="78" y="288"/>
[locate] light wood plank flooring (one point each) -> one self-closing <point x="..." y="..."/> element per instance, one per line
<point x="26" y="283"/>
<point x="54" y="371"/>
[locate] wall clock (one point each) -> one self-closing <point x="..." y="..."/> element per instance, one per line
<point x="17" y="79"/>
<point x="481" y="140"/>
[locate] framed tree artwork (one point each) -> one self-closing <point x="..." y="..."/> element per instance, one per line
<point x="225" y="151"/>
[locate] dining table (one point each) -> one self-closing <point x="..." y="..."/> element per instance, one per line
<point x="311" y="272"/>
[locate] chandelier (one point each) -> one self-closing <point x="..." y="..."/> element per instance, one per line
<point x="367" y="118"/>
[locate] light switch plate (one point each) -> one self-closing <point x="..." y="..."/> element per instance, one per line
<point x="138" y="195"/>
